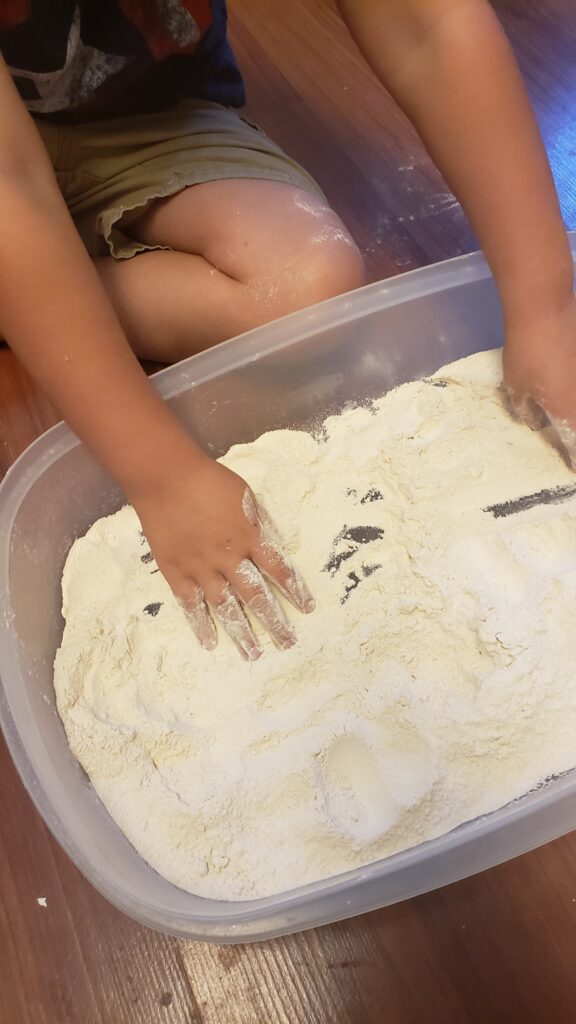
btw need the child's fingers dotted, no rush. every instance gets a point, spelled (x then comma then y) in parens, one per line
(199, 618)
(567, 436)
(229, 613)
(247, 587)
(272, 561)
(258, 598)
(269, 557)
(530, 412)
(526, 409)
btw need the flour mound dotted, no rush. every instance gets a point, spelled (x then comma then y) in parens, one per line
(434, 683)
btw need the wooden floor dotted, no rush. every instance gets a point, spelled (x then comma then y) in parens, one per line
(500, 947)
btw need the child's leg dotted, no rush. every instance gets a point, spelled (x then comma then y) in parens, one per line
(243, 252)
(200, 225)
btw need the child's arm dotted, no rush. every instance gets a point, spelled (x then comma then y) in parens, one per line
(449, 66)
(55, 315)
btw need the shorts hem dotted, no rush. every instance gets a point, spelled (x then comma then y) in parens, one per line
(112, 239)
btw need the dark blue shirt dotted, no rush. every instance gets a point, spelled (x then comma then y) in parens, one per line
(75, 60)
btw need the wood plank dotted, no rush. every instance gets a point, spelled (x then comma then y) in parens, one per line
(494, 949)
(77, 960)
(24, 411)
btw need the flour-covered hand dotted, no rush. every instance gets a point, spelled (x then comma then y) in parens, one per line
(220, 554)
(540, 374)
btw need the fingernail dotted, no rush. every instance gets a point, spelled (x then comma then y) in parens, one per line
(252, 653)
(284, 640)
(249, 651)
(299, 593)
(209, 641)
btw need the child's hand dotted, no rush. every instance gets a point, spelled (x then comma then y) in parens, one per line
(217, 549)
(540, 374)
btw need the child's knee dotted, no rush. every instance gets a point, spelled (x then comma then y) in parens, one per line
(322, 262)
(334, 263)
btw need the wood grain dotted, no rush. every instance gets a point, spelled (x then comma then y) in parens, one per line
(24, 411)
(77, 960)
(496, 948)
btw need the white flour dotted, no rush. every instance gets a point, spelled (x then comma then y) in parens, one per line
(434, 683)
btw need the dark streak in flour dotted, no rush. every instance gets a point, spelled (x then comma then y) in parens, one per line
(549, 496)
(355, 580)
(353, 537)
(153, 608)
(372, 495)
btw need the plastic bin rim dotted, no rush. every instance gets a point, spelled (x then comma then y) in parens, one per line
(341, 309)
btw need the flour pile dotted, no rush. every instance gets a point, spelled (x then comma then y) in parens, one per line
(434, 683)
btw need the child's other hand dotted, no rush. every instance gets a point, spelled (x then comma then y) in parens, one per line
(540, 373)
(219, 552)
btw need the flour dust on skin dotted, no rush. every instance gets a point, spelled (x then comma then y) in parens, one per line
(433, 683)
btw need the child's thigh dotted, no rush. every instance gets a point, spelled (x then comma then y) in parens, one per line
(252, 229)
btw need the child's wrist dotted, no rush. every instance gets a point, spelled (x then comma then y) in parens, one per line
(538, 292)
(523, 313)
(158, 466)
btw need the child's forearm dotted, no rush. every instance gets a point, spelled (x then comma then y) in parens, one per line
(449, 66)
(56, 317)
(199, 518)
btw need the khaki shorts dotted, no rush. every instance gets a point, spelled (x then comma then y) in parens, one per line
(109, 171)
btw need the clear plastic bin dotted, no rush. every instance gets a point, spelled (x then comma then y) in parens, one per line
(291, 373)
